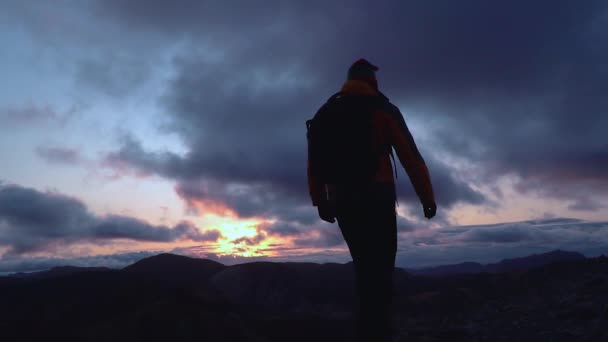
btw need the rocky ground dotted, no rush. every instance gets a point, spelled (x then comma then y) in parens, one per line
(173, 298)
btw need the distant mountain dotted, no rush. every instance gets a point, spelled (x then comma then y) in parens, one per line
(176, 271)
(170, 264)
(59, 271)
(505, 265)
(534, 260)
(166, 264)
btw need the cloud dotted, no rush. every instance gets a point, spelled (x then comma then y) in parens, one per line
(34, 115)
(113, 74)
(490, 90)
(586, 204)
(489, 243)
(583, 192)
(509, 98)
(480, 243)
(283, 229)
(31, 220)
(121, 227)
(60, 155)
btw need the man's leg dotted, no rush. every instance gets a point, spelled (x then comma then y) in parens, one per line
(382, 246)
(368, 224)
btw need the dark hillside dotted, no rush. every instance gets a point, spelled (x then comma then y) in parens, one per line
(173, 298)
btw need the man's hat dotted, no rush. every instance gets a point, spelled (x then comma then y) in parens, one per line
(362, 69)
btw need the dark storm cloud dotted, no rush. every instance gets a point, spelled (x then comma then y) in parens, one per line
(448, 188)
(515, 88)
(120, 227)
(31, 220)
(79, 45)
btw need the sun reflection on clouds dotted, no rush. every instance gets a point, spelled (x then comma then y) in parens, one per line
(240, 237)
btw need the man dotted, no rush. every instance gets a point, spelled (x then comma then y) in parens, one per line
(362, 198)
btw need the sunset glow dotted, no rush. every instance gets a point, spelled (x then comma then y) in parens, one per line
(240, 239)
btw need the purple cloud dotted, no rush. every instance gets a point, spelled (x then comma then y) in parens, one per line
(31, 220)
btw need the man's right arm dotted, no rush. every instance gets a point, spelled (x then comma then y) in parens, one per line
(314, 187)
(322, 196)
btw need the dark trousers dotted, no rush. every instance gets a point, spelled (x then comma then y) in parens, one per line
(367, 219)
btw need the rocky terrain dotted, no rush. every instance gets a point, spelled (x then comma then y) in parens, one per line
(557, 296)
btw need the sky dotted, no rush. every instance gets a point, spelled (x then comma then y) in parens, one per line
(129, 128)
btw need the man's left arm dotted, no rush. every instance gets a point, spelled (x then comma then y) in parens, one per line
(411, 160)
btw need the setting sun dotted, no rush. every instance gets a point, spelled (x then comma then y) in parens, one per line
(241, 237)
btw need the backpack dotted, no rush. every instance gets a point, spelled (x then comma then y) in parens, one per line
(341, 140)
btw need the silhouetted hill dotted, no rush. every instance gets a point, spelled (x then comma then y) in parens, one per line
(505, 265)
(534, 260)
(175, 270)
(170, 264)
(174, 298)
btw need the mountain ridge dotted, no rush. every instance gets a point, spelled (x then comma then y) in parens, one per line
(504, 265)
(166, 262)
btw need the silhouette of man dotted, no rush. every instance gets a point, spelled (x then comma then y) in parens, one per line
(366, 210)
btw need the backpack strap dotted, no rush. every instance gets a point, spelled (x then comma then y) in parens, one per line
(390, 153)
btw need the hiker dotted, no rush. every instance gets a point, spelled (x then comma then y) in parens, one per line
(350, 178)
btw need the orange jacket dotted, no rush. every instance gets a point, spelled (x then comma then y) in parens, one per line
(389, 130)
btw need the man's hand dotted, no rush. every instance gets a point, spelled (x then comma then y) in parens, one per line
(327, 206)
(327, 212)
(430, 209)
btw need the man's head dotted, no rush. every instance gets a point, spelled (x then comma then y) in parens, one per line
(363, 70)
